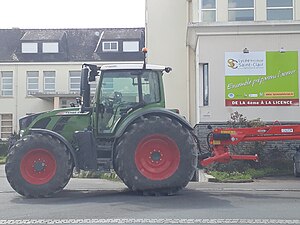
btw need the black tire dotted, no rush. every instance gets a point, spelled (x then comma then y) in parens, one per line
(156, 156)
(38, 165)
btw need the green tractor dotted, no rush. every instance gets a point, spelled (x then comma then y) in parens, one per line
(124, 127)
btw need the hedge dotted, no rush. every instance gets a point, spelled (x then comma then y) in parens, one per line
(3, 148)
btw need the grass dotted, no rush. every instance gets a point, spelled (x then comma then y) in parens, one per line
(230, 177)
(248, 175)
(95, 174)
(2, 159)
(266, 172)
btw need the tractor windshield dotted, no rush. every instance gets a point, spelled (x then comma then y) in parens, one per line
(123, 91)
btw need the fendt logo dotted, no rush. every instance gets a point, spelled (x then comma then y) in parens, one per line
(232, 63)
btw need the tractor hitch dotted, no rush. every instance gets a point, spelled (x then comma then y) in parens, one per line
(219, 142)
(221, 154)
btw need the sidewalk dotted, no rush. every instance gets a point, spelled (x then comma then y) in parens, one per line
(201, 176)
(2, 170)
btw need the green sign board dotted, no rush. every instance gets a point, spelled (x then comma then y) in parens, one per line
(261, 79)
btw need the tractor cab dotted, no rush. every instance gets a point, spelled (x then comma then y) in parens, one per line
(122, 89)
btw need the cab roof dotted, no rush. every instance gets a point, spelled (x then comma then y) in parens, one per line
(135, 66)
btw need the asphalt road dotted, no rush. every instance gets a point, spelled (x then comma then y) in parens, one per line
(94, 201)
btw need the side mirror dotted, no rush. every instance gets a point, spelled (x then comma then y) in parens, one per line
(83, 80)
(85, 87)
(93, 72)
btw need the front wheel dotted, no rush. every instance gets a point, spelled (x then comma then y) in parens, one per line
(156, 155)
(38, 166)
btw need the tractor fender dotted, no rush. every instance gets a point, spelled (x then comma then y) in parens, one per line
(156, 111)
(61, 138)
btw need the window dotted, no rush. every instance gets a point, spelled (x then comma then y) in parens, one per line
(93, 87)
(49, 81)
(279, 10)
(74, 81)
(240, 10)
(29, 47)
(32, 82)
(205, 85)
(131, 46)
(66, 102)
(110, 46)
(6, 125)
(6, 83)
(50, 47)
(208, 11)
(127, 84)
(122, 90)
(108, 84)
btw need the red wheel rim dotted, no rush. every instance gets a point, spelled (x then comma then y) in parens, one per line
(157, 157)
(38, 166)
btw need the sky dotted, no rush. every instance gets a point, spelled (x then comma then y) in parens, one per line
(72, 13)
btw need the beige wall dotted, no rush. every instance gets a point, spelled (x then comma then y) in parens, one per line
(166, 25)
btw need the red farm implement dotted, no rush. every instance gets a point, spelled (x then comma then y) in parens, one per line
(222, 138)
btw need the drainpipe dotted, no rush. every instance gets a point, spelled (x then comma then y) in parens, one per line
(16, 96)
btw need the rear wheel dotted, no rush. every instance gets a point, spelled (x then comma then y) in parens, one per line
(156, 155)
(38, 166)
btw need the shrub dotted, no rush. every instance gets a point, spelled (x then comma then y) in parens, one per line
(3, 148)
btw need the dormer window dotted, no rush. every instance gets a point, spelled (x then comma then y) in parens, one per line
(110, 46)
(28, 47)
(50, 47)
(131, 46)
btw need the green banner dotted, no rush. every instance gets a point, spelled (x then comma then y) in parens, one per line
(278, 87)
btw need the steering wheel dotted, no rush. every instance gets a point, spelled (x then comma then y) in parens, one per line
(117, 97)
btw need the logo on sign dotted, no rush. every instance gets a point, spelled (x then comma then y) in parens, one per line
(238, 64)
(232, 63)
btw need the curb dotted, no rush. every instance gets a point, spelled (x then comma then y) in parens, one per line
(233, 181)
(201, 176)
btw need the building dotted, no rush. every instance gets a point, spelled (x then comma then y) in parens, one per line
(40, 68)
(227, 56)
